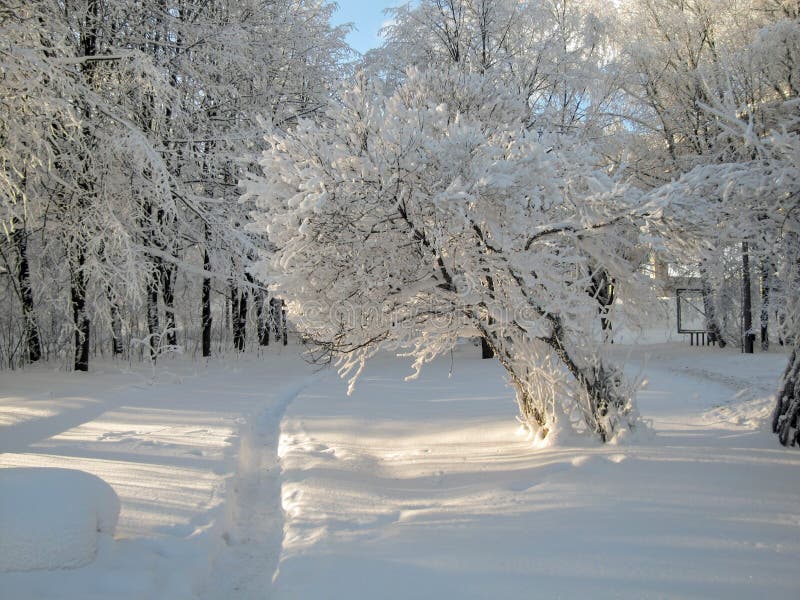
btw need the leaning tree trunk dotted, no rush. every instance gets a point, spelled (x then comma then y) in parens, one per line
(604, 405)
(787, 409)
(605, 401)
(32, 342)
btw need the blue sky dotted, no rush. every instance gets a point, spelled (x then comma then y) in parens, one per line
(367, 16)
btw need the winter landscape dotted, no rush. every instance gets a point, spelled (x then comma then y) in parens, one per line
(497, 299)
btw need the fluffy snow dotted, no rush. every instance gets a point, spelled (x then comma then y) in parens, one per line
(259, 477)
(51, 518)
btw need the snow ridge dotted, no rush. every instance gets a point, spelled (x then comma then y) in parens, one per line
(252, 526)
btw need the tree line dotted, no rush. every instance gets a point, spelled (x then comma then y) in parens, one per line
(125, 128)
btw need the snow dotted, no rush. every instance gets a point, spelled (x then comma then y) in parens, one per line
(428, 490)
(259, 477)
(50, 518)
(167, 441)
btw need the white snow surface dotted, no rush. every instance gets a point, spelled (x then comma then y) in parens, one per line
(260, 478)
(51, 518)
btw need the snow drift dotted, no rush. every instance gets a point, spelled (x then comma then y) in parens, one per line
(51, 518)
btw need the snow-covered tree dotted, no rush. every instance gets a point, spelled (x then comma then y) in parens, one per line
(126, 126)
(433, 213)
(751, 195)
(37, 109)
(551, 52)
(554, 55)
(676, 59)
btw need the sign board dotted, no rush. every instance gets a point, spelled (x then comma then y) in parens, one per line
(691, 311)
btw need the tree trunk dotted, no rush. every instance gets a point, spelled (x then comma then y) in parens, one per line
(234, 302)
(32, 341)
(239, 317)
(602, 290)
(262, 320)
(166, 274)
(712, 326)
(748, 337)
(601, 384)
(766, 270)
(153, 328)
(787, 408)
(116, 330)
(486, 349)
(275, 317)
(283, 324)
(206, 301)
(86, 183)
(242, 320)
(79, 317)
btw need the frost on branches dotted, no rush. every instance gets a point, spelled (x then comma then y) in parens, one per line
(757, 199)
(411, 220)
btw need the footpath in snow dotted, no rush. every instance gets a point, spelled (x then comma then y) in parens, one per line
(260, 478)
(190, 450)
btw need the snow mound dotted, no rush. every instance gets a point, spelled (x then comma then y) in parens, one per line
(51, 518)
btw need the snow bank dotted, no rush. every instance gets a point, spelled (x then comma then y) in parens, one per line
(50, 518)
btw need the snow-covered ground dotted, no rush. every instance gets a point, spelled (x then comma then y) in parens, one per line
(259, 477)
(178, 445)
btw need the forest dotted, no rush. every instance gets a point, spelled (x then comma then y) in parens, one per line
(177, 175)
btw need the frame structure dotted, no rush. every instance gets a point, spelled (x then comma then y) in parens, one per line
(692, 315)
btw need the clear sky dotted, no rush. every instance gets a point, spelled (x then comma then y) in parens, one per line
(367, 17)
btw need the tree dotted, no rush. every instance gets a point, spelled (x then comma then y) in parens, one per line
(128, 124)
(677, 59)
(37, 111)
(740, 191)
(392, 217)
(553, 53)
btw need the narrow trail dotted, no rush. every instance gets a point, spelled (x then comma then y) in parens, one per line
(744, 387)
(253, 520)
